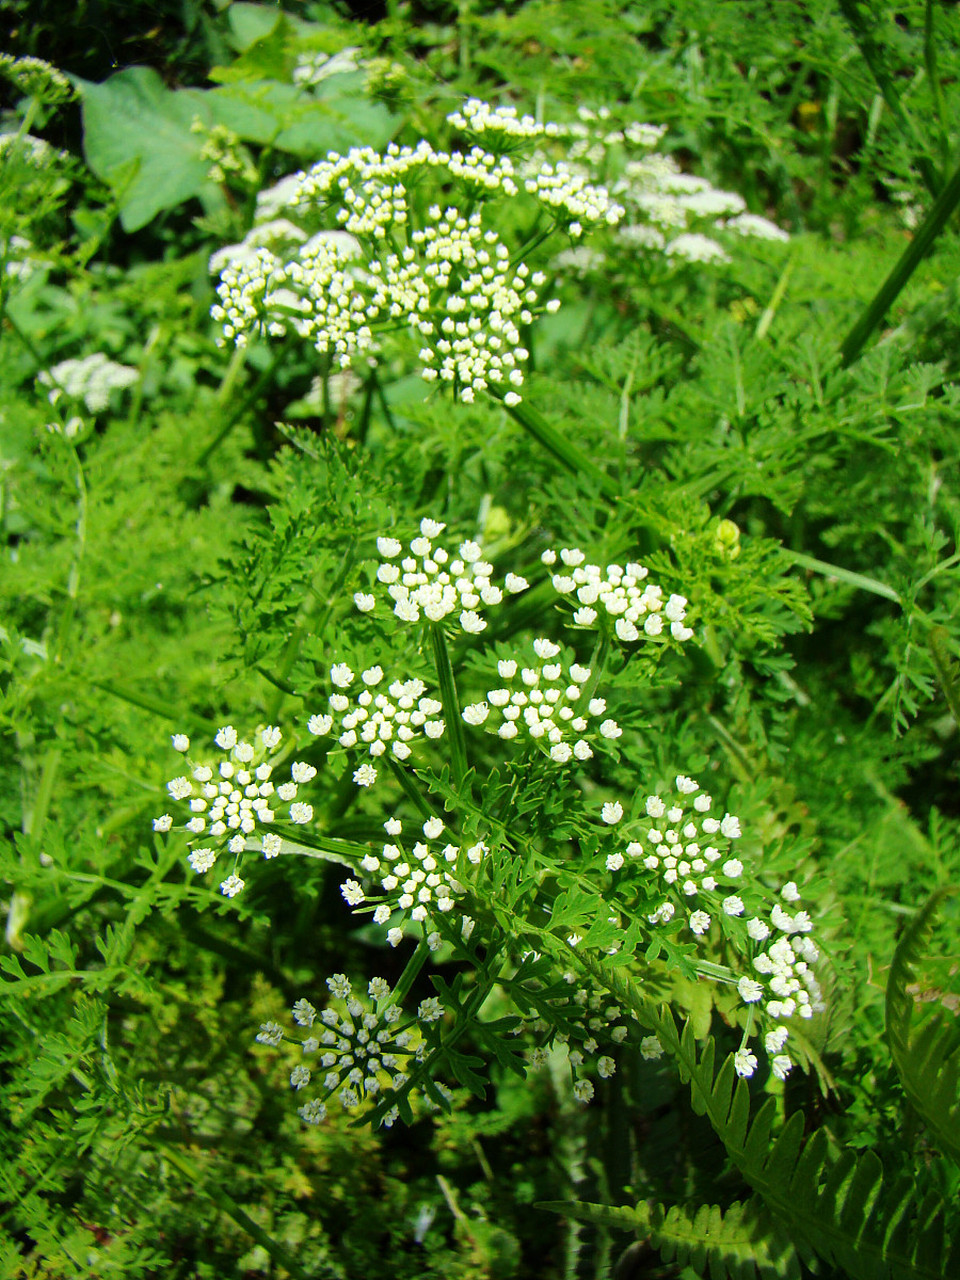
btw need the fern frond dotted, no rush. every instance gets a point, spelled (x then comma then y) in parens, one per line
(927, 1063)
(742, 1242)
(831, 1201)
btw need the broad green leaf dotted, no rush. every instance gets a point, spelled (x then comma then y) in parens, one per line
(282, 116)
(250, 23)
(269, 57)
(137, 139)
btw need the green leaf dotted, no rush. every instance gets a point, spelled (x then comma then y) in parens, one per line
(250, 23)
(928, 1062)
(268, 57)
(137, 139)
(742, 1242)
(279, 115)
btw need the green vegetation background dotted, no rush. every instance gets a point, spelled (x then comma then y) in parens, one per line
(156, 591)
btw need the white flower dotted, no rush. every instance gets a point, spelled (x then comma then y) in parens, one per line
(781, 1066)
(364, 601)
(90, 379)
(271, 844)
(180, 788)
(430, 1010)
(790, 892)
(163, 823)
(612, 812)
(699, 922)
(774, 1040)
(365, 776)
(750, 990)
(231, 886)
(606, 1067)
(320, 725)
(696, 248)
(180, 742)
(341, 675)
(226, 737)
(352, 893)
(744, 1062)
(583, 1090)
(202, 860)
(304, 1013)
(651, 1048)
(301, 813)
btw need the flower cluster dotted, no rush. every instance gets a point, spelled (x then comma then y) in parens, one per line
(435, 584)
(786, 981)
(687, 849)
(546, 702)
(437, 271)
(91, 380)
(227, 156)
(37, 79)
(683, 851)
(376, 720)
(358, 1047)
(16, 259)
(420, 883)
(233, 800)
(622, 592)
(664, 209)
(478, 117)
(597, 1029)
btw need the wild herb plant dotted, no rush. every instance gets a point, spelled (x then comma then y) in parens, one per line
(584, 628)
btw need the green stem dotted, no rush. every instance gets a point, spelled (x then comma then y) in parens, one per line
(873, 57)
(770, 310)
(409, 975)
(236, 364)
(943, 207)
(233, 1210)
(451, 705)
(843, 575)
(567, 453)
(933, 75)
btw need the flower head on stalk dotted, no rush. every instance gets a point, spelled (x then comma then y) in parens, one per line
(680, 850)
(235, 800)
(434, 266)
(376, 717)
(357, 1050)
(544, 702)
(621, 592)
(431, 583)
(420, 885)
